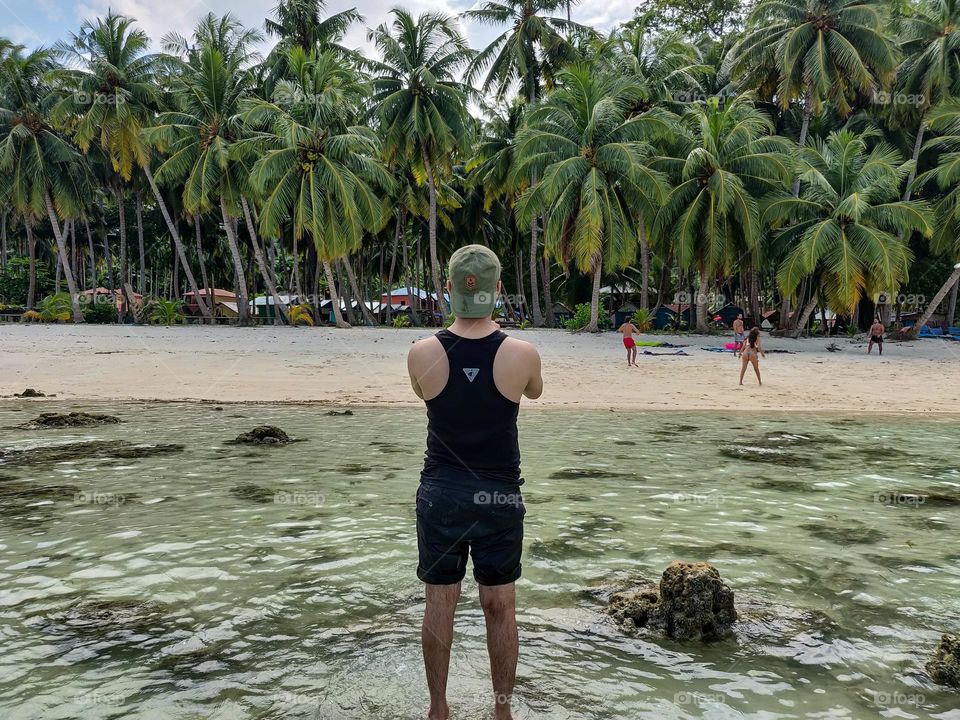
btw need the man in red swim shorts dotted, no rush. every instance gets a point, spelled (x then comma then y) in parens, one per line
(629, 330)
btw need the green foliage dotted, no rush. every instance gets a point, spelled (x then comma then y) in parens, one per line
(401, 321)
(52, 309)
(100, 312)
(301, 315)
(15, 280)
(164, 312)
(581, 319)
(526, 324)
(643, 320)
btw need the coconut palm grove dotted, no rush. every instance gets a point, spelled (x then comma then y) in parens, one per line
(802, 158)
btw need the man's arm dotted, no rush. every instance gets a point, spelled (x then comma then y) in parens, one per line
(413, 362)
(534, 388)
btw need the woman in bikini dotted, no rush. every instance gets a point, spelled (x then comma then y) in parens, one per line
(750, 351)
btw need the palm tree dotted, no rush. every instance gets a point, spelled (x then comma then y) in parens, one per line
(420, 104)
(819, 51)
(40, 169)
(845, 230)
(945, 239)
(199, 137)
(592, 158)
(534, 37)
(726, 160)
(314, 167)
(113, 93)
(931, 71)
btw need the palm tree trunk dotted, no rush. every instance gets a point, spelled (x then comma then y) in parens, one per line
(702, 302)
(102, 226)
(593, 325)
(62, 247)
(93, 259)
(174, 233)
(124, 266)
(644, 267)
(434, 259)
(534, 291)
(334, 296)
(32, 250)
(805, 315)
(952, 304)
(142, 284)
(935, 303)
(355, 289)
(547, 296)
(411, 305)
(804, 129)
(398, 232)
(918, 143)
(243, 307)
(755, 308)
(267, 279)
(208, 286)
(3, 240)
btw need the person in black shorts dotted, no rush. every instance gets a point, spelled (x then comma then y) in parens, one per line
(471, 377)
(876, 335)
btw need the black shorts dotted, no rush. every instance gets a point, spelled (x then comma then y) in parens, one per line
(877, 339)
(454, 523)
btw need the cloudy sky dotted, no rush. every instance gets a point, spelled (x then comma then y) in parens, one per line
(42, 22)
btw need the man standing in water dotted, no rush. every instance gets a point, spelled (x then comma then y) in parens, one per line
(471, 377)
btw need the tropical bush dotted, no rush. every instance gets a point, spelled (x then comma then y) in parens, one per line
(100, 312)
(53, 308)
(301, 315)
(643, 319)
(401, 321)
(164, 312)
(581, 319)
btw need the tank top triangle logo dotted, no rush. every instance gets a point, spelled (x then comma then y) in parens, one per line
(471, 373)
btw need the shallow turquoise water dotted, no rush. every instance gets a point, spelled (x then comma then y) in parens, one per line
(298, 599)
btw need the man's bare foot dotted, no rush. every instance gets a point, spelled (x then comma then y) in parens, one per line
(440, 713)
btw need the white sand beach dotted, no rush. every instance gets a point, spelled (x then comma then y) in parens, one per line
(367, 366)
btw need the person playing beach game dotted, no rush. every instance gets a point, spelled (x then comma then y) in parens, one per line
(750, 349)
(738, 335)
(629, 330)
(472, 377)
(876, 335)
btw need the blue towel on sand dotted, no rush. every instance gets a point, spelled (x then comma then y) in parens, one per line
(678, 352)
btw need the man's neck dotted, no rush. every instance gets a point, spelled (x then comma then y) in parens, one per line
(472, 328)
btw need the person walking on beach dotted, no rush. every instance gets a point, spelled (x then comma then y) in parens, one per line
(876, 335)
(471, 377)
(738, 335)
(750, 349)
(629, 330)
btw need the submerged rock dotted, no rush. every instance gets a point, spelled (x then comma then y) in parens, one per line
(264, 435)
(29, 393)
(99, 449)
(339, 413)
(944, 666)
(95, 616)
(74, 419)
(691, 602)
(253, 492)
(594, 473)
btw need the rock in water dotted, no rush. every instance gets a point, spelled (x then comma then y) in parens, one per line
(29, 393)
(691, 603)
(335, 413)
(264, 435)
(74, 419)
(944, 667)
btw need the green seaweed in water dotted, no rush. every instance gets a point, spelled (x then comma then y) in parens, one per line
(108, 450)
(253, 492)
(586, 473)
(854, 534)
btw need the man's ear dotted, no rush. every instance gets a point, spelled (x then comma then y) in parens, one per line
(449, 286)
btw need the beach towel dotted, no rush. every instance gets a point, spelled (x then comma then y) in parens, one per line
(678, 352)
(723, 349)
(657, 343)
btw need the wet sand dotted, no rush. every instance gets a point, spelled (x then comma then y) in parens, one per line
(367, 366)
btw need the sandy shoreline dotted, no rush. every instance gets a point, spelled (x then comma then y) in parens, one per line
(367, 366)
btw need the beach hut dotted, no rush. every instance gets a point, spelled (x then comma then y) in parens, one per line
(263, 307)
(102, 294)
(664, 317)
(561, 313)
(623, 314)
(224, 301)
(728, 313)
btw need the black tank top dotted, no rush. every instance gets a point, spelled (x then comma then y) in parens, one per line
(471, 427)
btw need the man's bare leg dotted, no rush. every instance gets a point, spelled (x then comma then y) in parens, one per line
(436, 636)
(503, 643)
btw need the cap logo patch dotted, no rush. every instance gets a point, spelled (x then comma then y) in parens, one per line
(471, 282)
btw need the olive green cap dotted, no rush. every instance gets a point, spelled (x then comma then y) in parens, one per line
(474, 272)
